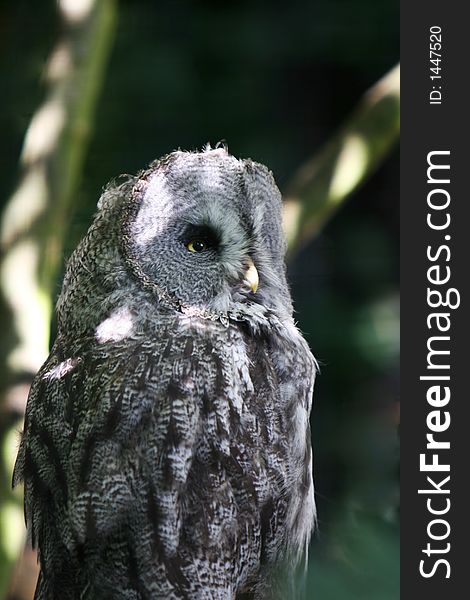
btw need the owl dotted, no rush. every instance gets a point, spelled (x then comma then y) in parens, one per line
(166, 447)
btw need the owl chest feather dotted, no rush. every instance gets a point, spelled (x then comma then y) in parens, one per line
(188, 441)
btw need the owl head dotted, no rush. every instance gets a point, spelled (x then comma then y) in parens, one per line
(198, 231)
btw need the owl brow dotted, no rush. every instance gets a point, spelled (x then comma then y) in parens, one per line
(202, 231)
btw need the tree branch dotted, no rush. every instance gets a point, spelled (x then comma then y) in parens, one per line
(325, 181)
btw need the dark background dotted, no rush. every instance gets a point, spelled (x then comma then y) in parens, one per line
(274, 80)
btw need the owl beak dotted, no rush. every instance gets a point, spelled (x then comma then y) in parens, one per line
(251, 279)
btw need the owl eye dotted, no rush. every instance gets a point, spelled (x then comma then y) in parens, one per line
(200, 238)
(197, 246)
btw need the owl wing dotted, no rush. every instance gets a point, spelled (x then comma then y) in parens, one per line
(42, 465)
(124, 482)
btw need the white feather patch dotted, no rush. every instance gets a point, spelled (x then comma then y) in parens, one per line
(117, 327)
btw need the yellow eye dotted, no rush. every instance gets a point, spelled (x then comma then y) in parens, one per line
(197, 246)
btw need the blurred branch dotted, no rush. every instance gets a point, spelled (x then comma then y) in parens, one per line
(325, 181)
(34, 224)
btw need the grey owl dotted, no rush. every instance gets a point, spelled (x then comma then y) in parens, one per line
(166, 447)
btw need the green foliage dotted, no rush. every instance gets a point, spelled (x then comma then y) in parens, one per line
(362, 563)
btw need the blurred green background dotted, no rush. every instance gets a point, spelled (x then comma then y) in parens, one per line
(275, 80)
